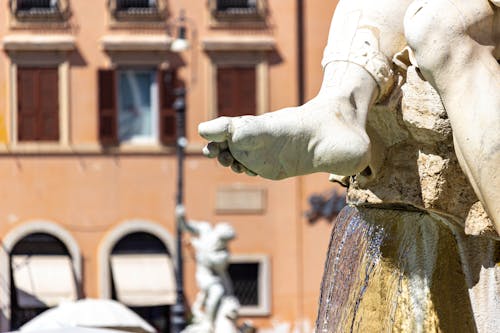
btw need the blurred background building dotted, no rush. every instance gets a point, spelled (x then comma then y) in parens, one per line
(87, 153)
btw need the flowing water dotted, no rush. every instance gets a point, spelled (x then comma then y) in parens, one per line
(393, 269)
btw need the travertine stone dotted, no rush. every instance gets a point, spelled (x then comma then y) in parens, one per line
(423, 113)
(477, 222)
(420, 165)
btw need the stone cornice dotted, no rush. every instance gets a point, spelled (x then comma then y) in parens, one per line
(239, 43)
(24, 42)
(136, 42)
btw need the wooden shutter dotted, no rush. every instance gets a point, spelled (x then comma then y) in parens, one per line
(167, 82)
(48, 129)
(27, 101)
(38, 104)
(236, 91)
(108, 113)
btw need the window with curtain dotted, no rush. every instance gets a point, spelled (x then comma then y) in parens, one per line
(136, 106)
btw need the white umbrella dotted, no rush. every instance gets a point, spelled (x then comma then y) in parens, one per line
(76, 330)
(89, 313)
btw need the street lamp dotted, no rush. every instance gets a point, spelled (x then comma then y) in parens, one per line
(181, 43)
(178, 310)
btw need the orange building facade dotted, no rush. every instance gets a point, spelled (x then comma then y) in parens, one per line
(87, 152)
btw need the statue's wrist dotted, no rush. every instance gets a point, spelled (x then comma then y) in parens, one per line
(365, 54)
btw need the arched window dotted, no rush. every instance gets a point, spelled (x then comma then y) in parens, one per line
(41, 275)
(142, 277)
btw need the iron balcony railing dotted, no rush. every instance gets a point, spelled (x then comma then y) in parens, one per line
(37, 6)
(237, 7)
(136, 6)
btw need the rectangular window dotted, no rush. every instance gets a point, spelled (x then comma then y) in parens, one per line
(38, 104)
(245, 278)
(236, 91)
(250, 275)
(135, 106)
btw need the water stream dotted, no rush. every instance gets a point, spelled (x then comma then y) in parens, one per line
(393, 270)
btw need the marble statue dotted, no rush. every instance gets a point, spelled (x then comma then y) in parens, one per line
(408, 119)
(454, 44)
(215, 308)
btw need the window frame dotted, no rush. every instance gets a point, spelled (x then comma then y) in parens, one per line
(40, 59)
(264, 283)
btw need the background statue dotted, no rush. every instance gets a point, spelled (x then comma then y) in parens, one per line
(215, 308)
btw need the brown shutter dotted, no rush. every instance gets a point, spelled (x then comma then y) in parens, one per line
(247, 97)
(48, 120)
(236, 91)
(27, 101)
(167, 82)
(108, 113)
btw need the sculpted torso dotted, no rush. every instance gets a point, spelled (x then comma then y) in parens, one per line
(454, 43)
(214, 305)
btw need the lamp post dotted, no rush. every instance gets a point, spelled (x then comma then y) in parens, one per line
(178, 310)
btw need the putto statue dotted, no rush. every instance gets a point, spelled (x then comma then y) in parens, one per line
(215, 308)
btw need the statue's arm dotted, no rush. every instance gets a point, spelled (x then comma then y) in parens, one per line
(368, 34)
(185, 225)
(329, 132)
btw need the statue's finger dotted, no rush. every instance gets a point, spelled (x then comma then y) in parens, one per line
(212, 149)
(216, 130)
(225, 158)
(237, 167)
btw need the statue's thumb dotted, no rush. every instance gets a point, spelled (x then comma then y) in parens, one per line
(216, 130)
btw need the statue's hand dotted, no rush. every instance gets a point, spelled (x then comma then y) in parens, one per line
(319, 136)
(255, 145)
(220, 134)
